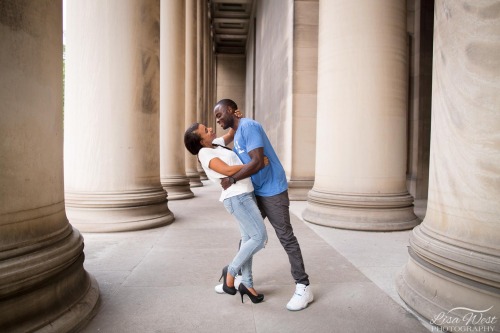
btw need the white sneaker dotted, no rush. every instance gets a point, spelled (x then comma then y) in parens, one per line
(237, 280)
(218, 289)
(301, 298)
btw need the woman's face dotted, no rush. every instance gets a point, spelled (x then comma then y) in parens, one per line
(207, 135)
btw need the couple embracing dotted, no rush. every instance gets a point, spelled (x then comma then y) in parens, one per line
(249, 200)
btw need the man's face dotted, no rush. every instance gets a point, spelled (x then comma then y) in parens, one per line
(224, 116)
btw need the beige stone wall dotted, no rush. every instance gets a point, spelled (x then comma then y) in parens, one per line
(250, 67)
(281, 81)
(273, 73)
(230, 82)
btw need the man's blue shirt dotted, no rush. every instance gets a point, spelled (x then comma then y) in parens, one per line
(270, 180)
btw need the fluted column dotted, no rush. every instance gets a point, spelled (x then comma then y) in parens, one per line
(454, 265)
(43, 286)
(172, 104)
(190, 97)
(111, 120)
(361, 118)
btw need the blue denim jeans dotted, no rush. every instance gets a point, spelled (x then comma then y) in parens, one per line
(253, 234)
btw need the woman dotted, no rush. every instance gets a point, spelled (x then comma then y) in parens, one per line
(219, 162)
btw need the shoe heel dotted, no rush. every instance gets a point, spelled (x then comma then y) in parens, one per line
(225, 287)
(255, 299)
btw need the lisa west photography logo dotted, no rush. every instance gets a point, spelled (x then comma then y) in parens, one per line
(463, 319)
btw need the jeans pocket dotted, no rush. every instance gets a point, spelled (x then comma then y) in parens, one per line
(245, 197)
(228, 205)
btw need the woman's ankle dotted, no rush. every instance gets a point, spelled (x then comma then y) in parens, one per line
(229, 280)
(253, 291)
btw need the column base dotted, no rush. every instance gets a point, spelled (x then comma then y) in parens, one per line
(298, 189)
(448, 300)
(194, 179)
(390, 212)
(48, 290)
(118, 211)
(203, 175)
(80, 314)
(177, 188)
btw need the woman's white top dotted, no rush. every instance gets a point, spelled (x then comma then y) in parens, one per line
(230, 158)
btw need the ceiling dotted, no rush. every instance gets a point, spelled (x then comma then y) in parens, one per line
(230, 20)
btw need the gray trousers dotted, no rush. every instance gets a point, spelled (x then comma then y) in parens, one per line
(276, 209)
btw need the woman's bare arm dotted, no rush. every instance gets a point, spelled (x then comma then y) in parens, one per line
(258, 161)
(229, 136)
(219, 166)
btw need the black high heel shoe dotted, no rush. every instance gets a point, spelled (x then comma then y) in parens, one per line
(255, 299)
(225, 287)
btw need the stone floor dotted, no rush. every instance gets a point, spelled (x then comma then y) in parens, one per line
(162, 280)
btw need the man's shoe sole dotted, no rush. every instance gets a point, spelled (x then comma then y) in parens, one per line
(309, 302)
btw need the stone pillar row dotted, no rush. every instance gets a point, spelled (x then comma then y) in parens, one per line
(112, 118)
(118, 118)
(43, 285)
(112, 113)
(454, 265)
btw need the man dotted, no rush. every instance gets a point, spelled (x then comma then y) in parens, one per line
(251, 144)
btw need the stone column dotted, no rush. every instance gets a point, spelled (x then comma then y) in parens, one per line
(172, 110)
(454, 265)
(43, 286)
(111, 117)
(361, 118)
(200, 96)
(190, 96)
(199, 58)
(206, 71)
(304, 96)
(212, 79)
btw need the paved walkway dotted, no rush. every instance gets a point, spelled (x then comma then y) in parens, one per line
(162, 280)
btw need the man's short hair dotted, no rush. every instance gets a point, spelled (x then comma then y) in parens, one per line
(227, 102)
